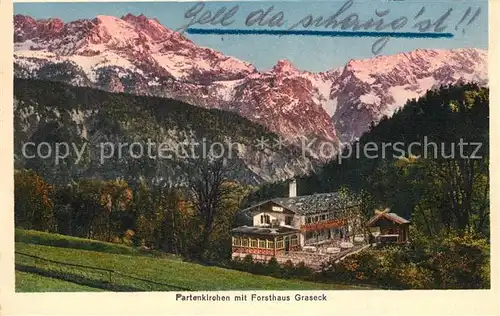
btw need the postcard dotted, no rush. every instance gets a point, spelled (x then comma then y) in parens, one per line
(271, 156)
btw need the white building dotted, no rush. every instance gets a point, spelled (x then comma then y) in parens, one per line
(280, 225)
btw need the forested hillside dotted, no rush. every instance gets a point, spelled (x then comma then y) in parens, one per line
(84, 118)
(439, 188)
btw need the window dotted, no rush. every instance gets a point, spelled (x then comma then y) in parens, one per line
(262, 243)
(308, 220)
(236, 241)
(244, 242)
(323, 217)
(265, 219)
(253, 243)
(288, 220)
(294, 240)
(279, 243)
(270, 244)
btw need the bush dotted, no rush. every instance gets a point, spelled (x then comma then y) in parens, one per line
(258, 268)
(288, 270)
(444, 262)
(413, 276)
(273, 268)
(33, 205)
(248, 260)
(128, 237)
(359, 268)
(461, 262)
(303, 271)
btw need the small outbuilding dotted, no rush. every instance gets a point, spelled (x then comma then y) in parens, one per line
(386, 227)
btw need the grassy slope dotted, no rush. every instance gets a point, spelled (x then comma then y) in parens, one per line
(171, 271)
(63, 241)
(30, 282)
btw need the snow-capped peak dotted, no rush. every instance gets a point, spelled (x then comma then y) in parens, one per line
(152, 27)
(419, 59)
(131, 42)
(284, 66)
(118, 29)
(137, 54)
(383, 84)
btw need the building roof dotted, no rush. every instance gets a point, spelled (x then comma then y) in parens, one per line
(390, 216)
(268, 231)
(309, 204)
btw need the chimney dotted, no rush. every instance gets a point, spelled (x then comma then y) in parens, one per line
(292, 188)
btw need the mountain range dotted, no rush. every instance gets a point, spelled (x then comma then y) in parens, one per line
(138, 55)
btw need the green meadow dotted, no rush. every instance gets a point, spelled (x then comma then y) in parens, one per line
(127, 269)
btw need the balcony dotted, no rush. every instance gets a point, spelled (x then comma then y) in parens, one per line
(333, 223)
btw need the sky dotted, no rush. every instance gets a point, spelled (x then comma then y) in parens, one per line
(310, 53)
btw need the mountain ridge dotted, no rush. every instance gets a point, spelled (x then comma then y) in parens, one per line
(136, 54)
(51, 112)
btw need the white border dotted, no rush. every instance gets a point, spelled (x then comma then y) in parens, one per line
(480, 302)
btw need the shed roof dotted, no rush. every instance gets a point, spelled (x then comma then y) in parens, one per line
(393, 217)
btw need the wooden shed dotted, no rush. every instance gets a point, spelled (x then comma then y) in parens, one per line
(387, 227)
